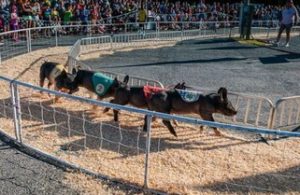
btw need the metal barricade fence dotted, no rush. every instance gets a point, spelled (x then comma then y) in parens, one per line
(252, 110)
(37, 38)
(170, 36)
(287, 113)
(74, 55)
(123, 40)
(95, 44)
(76, 49)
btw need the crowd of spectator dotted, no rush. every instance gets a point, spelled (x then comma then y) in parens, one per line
(16, 14)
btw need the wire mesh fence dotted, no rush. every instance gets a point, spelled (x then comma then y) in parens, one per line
(6, 109)
(71, 131)
(14, 43)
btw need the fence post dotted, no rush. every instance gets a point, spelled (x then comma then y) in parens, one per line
(199, 29)
(89, 31)
(148, 146)
(111, 42)
(157, 30)
(268, 33)
(19, 116)
(15, 99)
(28, 40)
(181, 32)
(56, 37)
(272, 117)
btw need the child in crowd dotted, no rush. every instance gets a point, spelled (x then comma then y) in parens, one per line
(94, 17)
(101, 26)
(67, 17)
(4, 21)
(55, 16)
(84, 16)
(36, 11)
(47, 18)
(1, 23)
(14, 23)
(26, 13)
(56, 20)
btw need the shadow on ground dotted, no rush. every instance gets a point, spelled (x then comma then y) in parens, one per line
(285, 181)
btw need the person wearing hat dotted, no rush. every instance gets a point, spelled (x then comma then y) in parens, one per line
(289, 15)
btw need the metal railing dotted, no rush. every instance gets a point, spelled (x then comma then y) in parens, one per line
(252, 110)
(41, 37)
(287, 113)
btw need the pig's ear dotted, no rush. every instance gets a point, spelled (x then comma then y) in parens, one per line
(223, 93)
(74, 71)
(126, 79)
(183, 85)
(177, 86)
(63, 73)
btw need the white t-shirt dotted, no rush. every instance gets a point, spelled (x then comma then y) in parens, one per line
(288, 15)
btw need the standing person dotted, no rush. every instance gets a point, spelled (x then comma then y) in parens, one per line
(67, 17)
(47, 19)
(36, 12)
(84, 16)
(289, 15)
(5, 13)
(55, 17)
(94, 17)
(26, 13)
(14, 23)
(142, 16)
